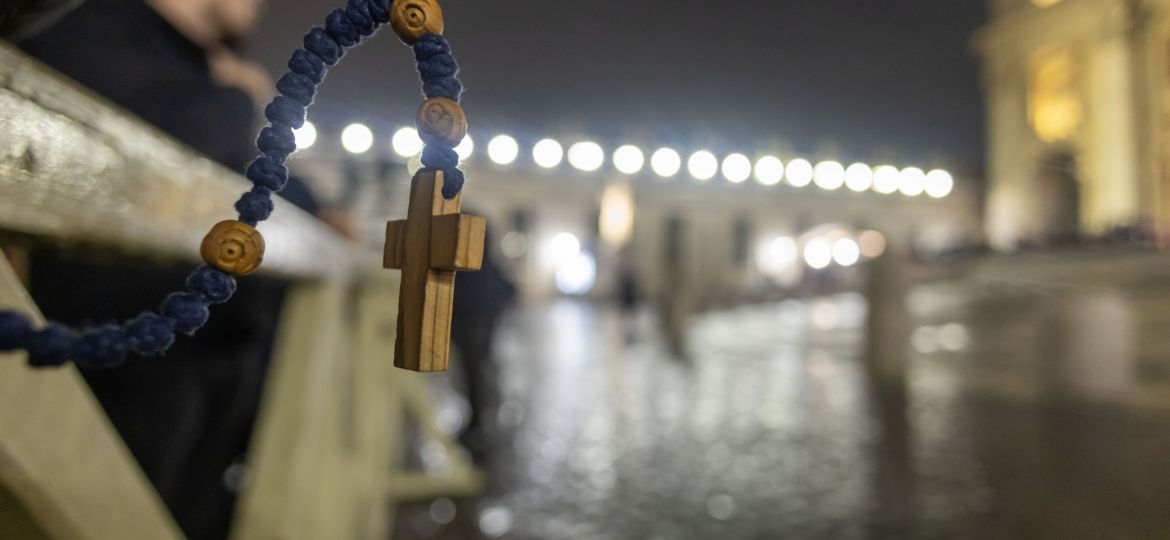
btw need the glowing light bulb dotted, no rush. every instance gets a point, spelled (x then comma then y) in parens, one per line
(503, 149)
(846, 252)
(466, 148)
(778, 255)
(769, 170)
(939, 183)
(703, 165)
(564, 245)
(859, 177)
(586, 156)
(799, 172)
(829, 175)
(665, 162)
(577, 274)
(628, 159)
(818, 253)
(885, 179)
(406, 142)
(912, 181)
(305, 135)
(357, 138)
(548, 153)
(736, 168)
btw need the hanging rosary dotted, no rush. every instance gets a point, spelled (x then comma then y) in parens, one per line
(429, 246)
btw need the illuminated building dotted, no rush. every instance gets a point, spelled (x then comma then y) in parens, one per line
(1079, 138)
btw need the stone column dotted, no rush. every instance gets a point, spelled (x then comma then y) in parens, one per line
(1111, 184)
(1010, 200)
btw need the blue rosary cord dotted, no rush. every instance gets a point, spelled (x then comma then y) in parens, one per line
(186, 311)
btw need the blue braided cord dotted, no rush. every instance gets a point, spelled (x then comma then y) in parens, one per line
(186, 311)
(439, 71)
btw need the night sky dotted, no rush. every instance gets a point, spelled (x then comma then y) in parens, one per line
(854, 79)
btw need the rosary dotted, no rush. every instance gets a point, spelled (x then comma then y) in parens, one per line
(429, 246)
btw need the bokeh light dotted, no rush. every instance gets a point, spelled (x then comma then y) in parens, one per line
(548, 153)
(829, 175)
(859, 177)
(939, 183)
(737, 168)
(628, 159)
(799, 172)
(406, 142)
(665, 162)
(586, 156)
(703, 165)
(818, 253)
(576, 274)
(564, 245)
(503, 149)
(616, 216)
(306, 136)
(357, 138)
(514, 245)
(466, 148)
(769, 170)
(885, 179)
(846, 252)
(912, 181)
(872, 243)
(778, 255)
(953, 337)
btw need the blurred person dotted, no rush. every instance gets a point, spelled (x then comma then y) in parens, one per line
(186, 417)
(629, 297)
(480, 299)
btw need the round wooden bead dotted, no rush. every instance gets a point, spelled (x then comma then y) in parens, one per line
(441, 121)
(233, 247)
(411, 19)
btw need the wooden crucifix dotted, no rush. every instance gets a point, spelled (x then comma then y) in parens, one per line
(429, 246)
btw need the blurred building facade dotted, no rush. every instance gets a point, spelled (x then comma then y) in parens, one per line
(561, 229)
(719, 242)
(1078, 109)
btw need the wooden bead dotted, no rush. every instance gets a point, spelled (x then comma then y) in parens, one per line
(441, 121)
(233, 247)
(411, 19)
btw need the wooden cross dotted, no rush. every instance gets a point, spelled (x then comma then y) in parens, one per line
(429, 246)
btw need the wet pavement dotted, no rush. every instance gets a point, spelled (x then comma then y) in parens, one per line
(771, 429)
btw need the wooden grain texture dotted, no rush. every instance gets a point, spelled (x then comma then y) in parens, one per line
(441, 121)
(394, 257)
(59, 455)
(75, 168)
(457, 242)
(411, 19)
(326, 439)
(424, 302)
(287, 455)
(233, 247)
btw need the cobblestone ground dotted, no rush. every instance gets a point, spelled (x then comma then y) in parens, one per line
(770, 429)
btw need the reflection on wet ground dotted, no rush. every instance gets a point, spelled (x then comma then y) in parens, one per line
(770, 429)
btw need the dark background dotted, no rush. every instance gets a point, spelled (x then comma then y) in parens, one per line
(863, 79)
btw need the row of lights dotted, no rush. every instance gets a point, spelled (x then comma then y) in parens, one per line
(703, 165)
(821, 252)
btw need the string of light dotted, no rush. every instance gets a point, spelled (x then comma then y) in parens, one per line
(667, 163)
